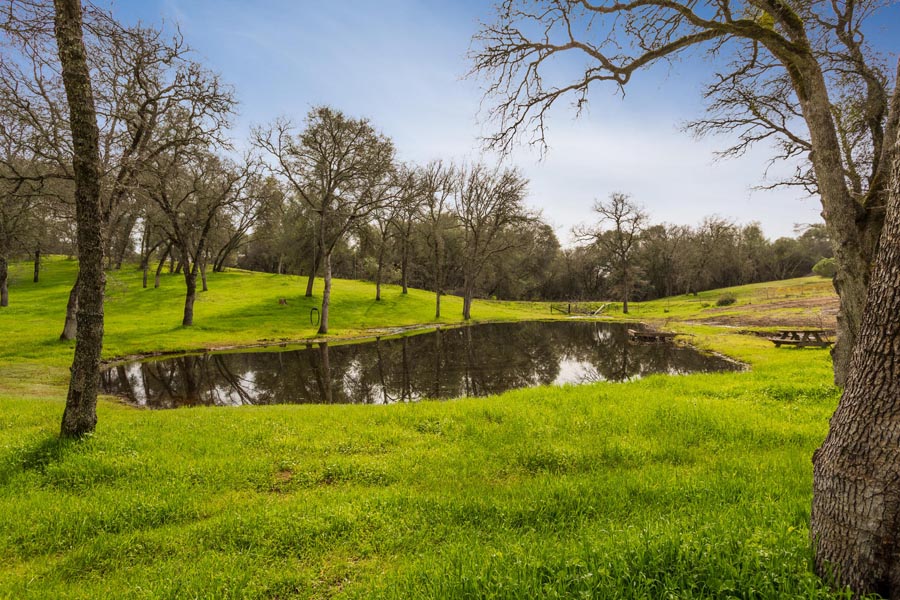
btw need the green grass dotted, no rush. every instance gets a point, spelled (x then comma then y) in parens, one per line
(668, 487)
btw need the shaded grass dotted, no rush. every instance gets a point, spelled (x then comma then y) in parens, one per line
(668, 487)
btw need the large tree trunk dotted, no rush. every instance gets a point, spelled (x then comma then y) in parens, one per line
(162, 262)
(326, 295)
(80, 415)
(70, 328)
(203, 276)
(853, 247)
(190, 282)
(856, 474)
(4, 285)
(145, 271)
(404, 266)
(312, 274)
(123, 242)
(379, 273)
(37, 266)
(438, 276)
(625, 290)
(467, 298)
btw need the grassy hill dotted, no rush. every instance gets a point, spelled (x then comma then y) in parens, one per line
(682, 487)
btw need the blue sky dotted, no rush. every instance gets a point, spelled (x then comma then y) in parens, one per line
(401, 63)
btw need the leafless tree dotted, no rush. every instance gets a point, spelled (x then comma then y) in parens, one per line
(329, 165)
(405, 218)
(437, 182)
(140, 76)
(191, 191)
(789, 59)
(487, 202)
(80, 415)
(621, 222)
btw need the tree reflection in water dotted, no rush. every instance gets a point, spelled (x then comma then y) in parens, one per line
(449, 363)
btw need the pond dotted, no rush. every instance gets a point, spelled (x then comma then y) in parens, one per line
(449, 363)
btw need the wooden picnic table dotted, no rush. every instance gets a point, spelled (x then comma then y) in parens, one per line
(653, 337)
(801, 338)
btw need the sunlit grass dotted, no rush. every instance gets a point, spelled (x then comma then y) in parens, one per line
(668, 487)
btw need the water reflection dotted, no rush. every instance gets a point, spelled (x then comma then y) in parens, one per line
(468, 361)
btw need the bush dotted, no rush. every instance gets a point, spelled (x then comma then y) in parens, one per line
(825, 268)
(726, 299)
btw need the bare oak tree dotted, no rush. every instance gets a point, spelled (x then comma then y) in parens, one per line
(140, 76)
(488, 202)
(789, 59)
(329, 165)
(617, 233)
(436, 183)
(80, 415)
(192, 190)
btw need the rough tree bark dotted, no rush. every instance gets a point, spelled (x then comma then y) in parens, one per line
(326, 294)
(842, 213)
(312, 274)
(162, 262)
(856, 476)
(404, 267)
(37, 266)
(4, 277)
(70, 328)
(379, 273)
(190, 282)
(438, 274)
(80, 415)
(468, 293)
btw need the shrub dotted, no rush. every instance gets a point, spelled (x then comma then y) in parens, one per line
(825, 268)
(726, 299)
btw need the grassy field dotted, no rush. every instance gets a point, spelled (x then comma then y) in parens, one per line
(669, 487)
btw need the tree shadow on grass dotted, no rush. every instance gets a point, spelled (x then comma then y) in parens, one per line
(36, 455)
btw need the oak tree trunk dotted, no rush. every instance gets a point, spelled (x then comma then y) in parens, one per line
(190, 282)
(203, 276)
(80, 415)
(379, 273)
(70, 328)
(37, 266)
(312, 274)
(856, 472)
(404, 267)
(467, 299)
(326, 295)
(162, 262)
(4, 277)
(853, 249)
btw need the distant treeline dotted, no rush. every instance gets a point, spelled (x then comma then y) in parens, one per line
(668, 259)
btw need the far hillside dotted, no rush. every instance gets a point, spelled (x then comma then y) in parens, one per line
(802, 302)
(244, 308)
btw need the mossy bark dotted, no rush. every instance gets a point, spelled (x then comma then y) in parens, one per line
(80, 415)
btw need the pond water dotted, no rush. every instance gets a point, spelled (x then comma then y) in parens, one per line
(467, 361)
